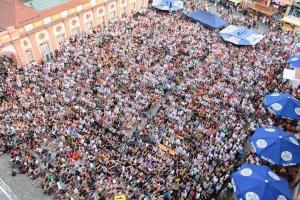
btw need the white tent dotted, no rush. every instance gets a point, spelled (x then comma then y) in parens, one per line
(297, 47)
(168, 4)
(293, 75)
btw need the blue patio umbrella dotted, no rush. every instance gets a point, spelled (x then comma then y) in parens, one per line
(254, 182)
(294, 61)
(283, 105)
(276, 146)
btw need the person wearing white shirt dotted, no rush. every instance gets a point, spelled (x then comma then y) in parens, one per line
(75, 191)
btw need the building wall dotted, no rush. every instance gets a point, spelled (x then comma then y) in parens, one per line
(28, 43)
(287, 2)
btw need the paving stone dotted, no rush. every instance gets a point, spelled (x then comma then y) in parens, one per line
(20, 184)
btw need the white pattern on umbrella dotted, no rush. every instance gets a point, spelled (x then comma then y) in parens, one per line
(286, 156)
(246, 172)
(233, 184)
(261, 143)
(294, 59)
(273, 175)
(276, 106)
(274, 94)
(297, 111)
(251, 196)
(270, 129)
(281, 197)
(293, 140)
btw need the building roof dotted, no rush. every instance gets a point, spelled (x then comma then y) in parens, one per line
(41, 5)
(17, 14)
(13, 12)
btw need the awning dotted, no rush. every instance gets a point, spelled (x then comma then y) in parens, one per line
(240, 35)
(291, 20)
(173, 5)
(289, 74)
(293, 75)
(236, 1)
(207, 19)
(263, 8)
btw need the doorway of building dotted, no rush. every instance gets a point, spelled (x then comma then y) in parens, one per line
(89, 27)
(102, 21)
(7, 59)
(75, 31)
(46, 52)
(60, 39)
(123, 12)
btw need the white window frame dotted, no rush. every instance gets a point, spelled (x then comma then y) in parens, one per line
(75, 32)
(123, 11)
(132, 6)
(61, 38)
(89, 27)
(112, 15)
(141, 4)
(29, 55)
(102, 21)
(45, 50)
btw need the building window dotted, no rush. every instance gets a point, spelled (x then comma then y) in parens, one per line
(101, 21)
(29, 56)
(112, 15)
(47, 54)
(141, 4)
(89, 27)
(60, 39)
(123, 11)
(132, 7)
(45, 48)
(75, 31)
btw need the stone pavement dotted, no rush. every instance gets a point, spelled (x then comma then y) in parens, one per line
(20, 184)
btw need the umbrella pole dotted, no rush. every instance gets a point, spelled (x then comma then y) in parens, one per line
(296, 189)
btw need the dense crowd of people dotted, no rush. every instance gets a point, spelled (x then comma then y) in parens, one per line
(154, 108)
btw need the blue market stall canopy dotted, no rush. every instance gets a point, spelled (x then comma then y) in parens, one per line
(240, 35)
(207, 19)
(171, 5)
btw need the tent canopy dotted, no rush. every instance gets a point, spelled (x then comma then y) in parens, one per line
(293, 75)
(240, 35)
(168, 4)
(207, 19)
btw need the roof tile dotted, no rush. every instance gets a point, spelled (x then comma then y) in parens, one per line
(14, 13)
